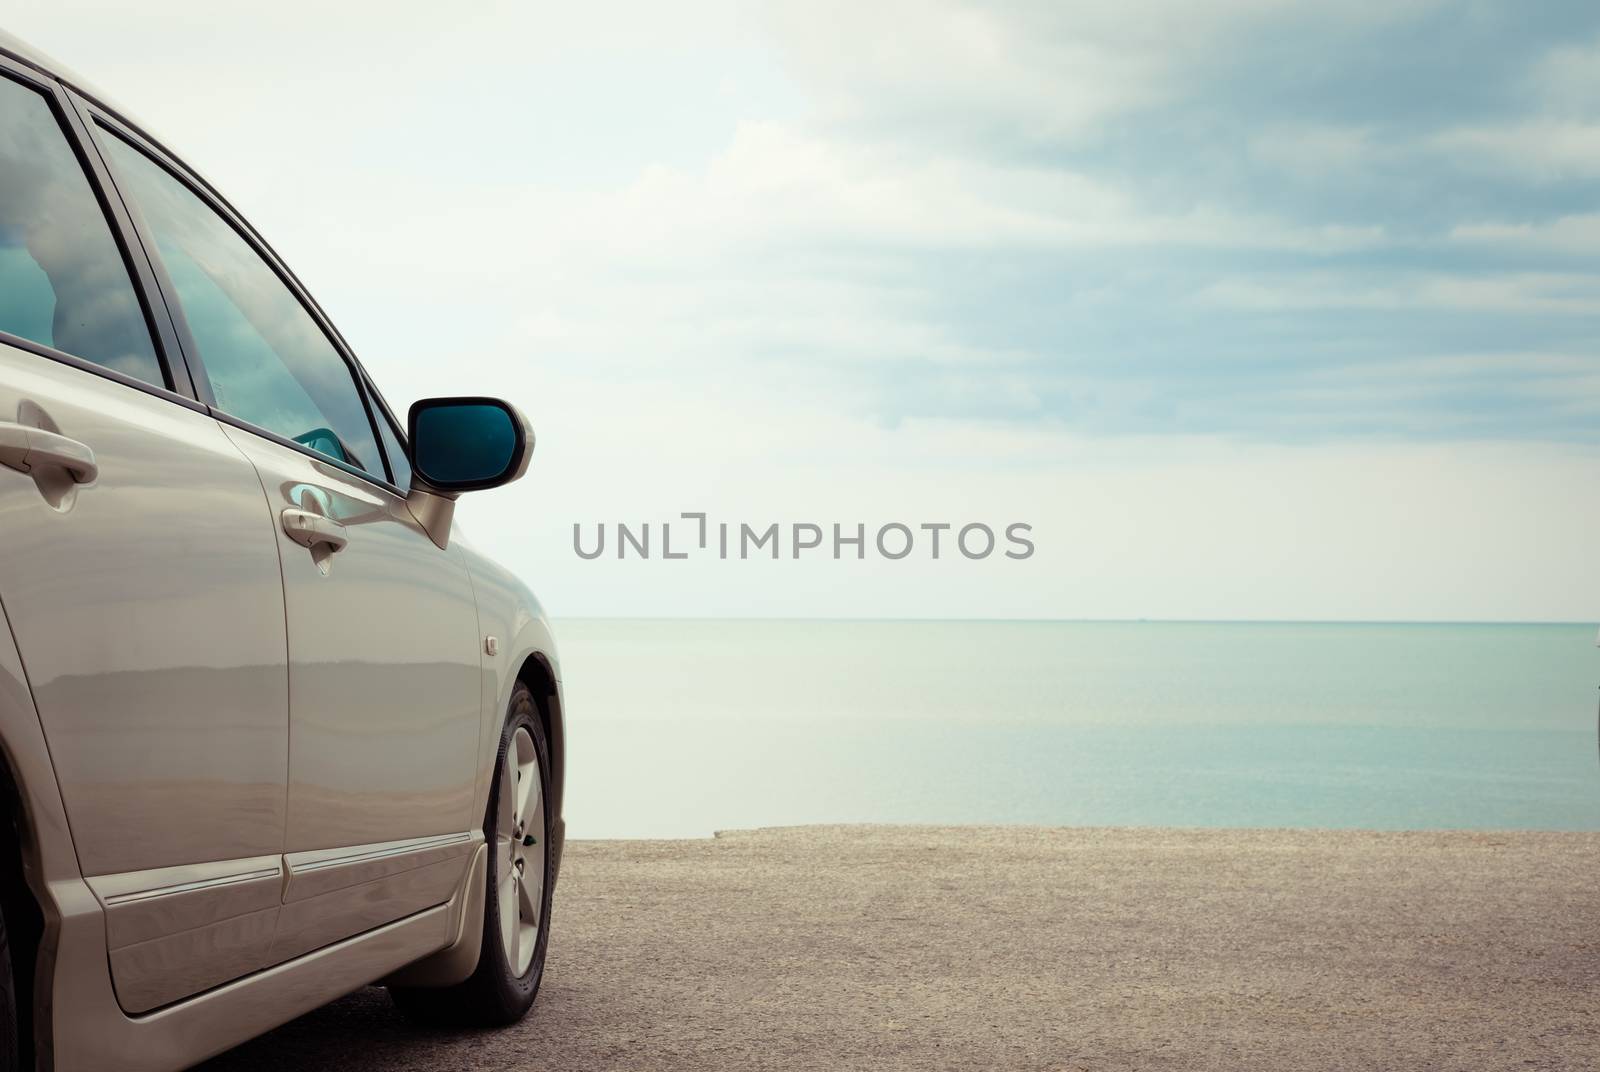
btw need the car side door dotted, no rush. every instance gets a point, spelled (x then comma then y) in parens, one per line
(140, 576)
(386, 675)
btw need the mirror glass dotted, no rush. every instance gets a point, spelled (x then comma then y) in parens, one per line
(459, 444)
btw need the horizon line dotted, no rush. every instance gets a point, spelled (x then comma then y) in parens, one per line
(1067, 621)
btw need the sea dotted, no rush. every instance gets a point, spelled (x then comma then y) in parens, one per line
(679, 728)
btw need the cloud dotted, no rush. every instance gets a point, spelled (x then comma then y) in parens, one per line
(1314, 150)
(1545, 293)
(1567, 80)
(1026, 73)
(779, 184)
(1541, 149)
(1565, 234)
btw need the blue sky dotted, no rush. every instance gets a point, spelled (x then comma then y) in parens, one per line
(1254, 308)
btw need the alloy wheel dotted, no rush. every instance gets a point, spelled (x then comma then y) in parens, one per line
(520, 848)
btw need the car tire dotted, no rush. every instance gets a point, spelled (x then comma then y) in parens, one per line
(10, 1048)
(502, 988)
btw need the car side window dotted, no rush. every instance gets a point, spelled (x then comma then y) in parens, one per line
(267, 360)
(63, 282)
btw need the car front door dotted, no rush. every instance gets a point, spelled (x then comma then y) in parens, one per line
(385, 683)
(140, 576)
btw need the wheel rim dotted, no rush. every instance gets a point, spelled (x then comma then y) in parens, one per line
(520, 846)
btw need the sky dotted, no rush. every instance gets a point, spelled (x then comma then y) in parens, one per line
(1250, 309)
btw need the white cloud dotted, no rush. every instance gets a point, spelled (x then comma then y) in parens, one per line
(1314, 150)
(784, 183)
(957, 65)
(1518, 292)
(1567, 79)
(1566, 234)
(1026, 70)
(1543, 149)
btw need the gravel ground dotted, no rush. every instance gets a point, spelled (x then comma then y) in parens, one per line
(1049, 949)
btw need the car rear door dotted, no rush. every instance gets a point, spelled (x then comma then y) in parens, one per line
(140, 576)
(386, 678)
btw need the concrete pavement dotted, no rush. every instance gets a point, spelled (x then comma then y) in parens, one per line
(1024, 948)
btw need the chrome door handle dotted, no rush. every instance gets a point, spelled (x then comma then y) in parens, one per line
(23, 448)
(310, 530)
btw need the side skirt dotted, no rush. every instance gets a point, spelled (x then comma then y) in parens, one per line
(90, 1031)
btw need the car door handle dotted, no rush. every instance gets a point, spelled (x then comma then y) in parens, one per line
(23, 448)
(310, 530)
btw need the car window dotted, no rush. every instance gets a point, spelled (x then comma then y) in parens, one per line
(396, 453)
(63, 282)
(267, 361)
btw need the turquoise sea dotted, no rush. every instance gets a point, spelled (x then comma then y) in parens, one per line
(680, 728)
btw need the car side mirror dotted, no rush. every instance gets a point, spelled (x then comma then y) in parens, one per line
(462, 444)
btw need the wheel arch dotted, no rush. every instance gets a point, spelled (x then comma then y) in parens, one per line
(537, 673)
(22, 906)
(38, 862)
(518, 646)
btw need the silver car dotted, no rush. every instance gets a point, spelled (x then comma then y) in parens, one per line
(271, 730)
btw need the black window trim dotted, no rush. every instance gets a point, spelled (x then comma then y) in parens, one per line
(102, 121)
(176, 387)
(396, 427)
